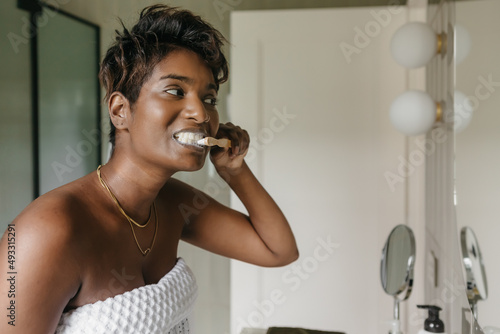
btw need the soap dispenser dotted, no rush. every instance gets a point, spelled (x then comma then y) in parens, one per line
(432, 324)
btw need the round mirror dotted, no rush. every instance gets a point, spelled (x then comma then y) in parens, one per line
(396, 267)
(477, 285)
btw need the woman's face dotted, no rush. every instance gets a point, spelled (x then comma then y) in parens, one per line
(175, 108)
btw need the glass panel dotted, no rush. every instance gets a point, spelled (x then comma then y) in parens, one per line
(16, 188)
(68, 93)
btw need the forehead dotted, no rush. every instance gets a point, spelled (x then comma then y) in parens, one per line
(185, 63)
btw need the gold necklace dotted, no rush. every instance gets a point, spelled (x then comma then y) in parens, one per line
(118, 203)
(129, 219)
(145, 252)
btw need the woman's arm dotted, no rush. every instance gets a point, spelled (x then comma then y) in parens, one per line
(39, 277)
(264, 237)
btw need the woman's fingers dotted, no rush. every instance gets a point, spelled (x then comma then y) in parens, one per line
(240, 140)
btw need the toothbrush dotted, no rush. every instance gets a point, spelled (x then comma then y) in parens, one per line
(211, 141)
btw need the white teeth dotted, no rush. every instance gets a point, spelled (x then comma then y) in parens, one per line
(188, 137)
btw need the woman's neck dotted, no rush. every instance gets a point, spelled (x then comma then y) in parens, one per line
(135, 185)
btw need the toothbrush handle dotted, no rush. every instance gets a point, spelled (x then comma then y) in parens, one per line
(211, 141)
(223, 142)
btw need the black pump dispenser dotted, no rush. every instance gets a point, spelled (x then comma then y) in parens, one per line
(433, 324)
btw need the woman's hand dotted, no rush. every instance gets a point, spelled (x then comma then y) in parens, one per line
(230, 159)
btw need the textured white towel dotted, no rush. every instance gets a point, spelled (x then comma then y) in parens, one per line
(151, 309)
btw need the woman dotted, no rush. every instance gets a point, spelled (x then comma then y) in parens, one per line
(99, 255)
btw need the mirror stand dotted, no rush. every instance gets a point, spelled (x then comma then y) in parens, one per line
(396, 308)
(473, 306)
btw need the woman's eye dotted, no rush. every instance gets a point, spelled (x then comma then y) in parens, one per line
(211, 100)
(175, 91)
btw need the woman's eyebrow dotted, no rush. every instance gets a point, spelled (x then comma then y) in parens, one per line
(177, 77)
(185, 79)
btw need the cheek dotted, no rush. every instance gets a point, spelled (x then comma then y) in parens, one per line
(214, 124)
(158, 116)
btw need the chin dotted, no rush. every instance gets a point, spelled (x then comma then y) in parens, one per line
(193, 167)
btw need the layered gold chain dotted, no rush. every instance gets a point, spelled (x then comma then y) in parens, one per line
(129, 219)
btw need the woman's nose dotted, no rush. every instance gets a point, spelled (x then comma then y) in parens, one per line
(195, 109)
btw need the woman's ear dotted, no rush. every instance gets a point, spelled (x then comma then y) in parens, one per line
(119, 110)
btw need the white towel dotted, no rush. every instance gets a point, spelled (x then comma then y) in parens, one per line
(158, 308)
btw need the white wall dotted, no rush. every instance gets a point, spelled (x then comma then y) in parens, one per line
(326, 168)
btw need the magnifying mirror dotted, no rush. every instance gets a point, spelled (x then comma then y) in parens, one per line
(477, 286)
(396, 267)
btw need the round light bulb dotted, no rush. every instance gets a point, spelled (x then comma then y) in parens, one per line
(413, 113)
(414, 44)
(463, 43)
(462, 112)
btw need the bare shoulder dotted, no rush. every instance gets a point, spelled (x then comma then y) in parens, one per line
(43, 255)
(179, 191)
(187, 201)
(50, 217)
(49, 227)
(175, 186)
